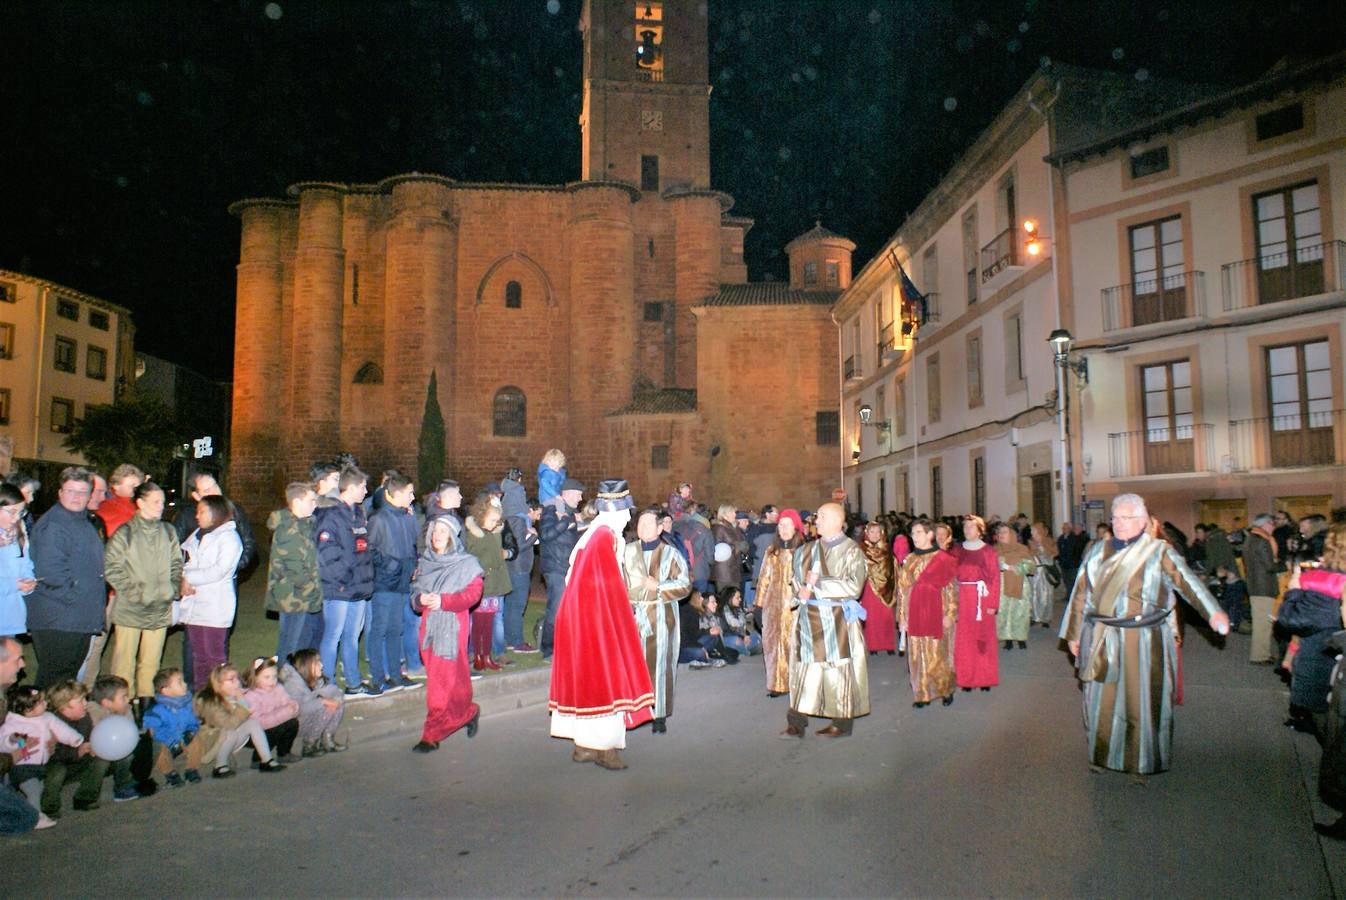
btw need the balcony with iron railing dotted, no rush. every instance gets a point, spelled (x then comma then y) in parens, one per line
(1000, 259)
(1288, 442)
(1184, 449)
(887, 343)
(850, 369)
(932, 306)
(1284, 275)
(1168, 299)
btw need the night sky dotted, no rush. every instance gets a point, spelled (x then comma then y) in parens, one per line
(130, 126)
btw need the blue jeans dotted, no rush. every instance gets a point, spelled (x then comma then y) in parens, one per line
(516, 601)
(747, 645)
(342, 622)
(298, 631)
(17, 816)
(688, 654)
(383, 644)
(556, 586)
(411, 641)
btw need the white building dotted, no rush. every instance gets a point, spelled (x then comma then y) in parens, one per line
(1204, 286)
(60, 351)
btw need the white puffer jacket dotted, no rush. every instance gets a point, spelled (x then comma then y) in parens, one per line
(210, 566)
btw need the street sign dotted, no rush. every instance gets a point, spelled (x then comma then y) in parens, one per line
(201, 447)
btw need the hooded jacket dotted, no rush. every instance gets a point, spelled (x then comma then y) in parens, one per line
(392, 543)
(345, 564)
(212, 559)
(292, 584)
(143, 564)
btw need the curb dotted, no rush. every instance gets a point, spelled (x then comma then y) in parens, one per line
(372, 718)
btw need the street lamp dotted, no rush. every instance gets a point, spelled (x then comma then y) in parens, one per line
(1061, 341)
(867, 418)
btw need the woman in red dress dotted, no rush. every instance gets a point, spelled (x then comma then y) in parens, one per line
(877, 597)
(600, 686)
(975, 659)
(446, 585)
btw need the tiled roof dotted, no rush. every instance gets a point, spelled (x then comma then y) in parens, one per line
(768, 293)
(663, 400)
(819, 233)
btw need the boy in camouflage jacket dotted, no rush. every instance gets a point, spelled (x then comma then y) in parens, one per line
(292, 586)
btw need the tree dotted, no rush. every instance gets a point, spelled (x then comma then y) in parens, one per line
(430, 444)
(134, 429)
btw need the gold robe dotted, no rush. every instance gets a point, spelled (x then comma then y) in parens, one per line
(829, 668)
(929, 659)
(775, 597)
(656, 612)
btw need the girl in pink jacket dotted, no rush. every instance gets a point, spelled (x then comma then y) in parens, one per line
(272, 707)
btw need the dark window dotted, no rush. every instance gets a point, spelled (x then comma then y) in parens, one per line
(513, 295)
(65, 355)
(369, 373)
(4, 406)
(936, 491)
(810, 273)
(62, 415)
(9, 292)
(828, 427)
(979, 485)
(509, 413)
(1280, 121)
(659, 456)
(95, 362)
(833, 274)
(654, 312)
(649, 173)
(67, 309)
(98, 320)
(1149, 161)
(6, 340)
(355, 284)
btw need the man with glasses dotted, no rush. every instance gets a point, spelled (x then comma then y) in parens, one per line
(65, 610)
(1120, 628)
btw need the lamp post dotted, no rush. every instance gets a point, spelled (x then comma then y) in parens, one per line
(1061, 340)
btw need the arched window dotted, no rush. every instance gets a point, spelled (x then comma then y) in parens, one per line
(513, 295)
(369, 373)
(509, 413)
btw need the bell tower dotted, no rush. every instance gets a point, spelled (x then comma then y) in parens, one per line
(646, 113)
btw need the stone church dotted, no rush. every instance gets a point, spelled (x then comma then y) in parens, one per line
(610, 317)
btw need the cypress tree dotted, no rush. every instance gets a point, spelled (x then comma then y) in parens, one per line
(430, 445)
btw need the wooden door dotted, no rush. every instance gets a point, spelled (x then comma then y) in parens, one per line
(1230, 515)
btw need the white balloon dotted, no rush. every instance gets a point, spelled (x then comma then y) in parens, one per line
(114, 738)
(723, 552)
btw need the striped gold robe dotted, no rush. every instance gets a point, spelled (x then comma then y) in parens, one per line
(656, 614)
(829, 670)
(775, 597)
(1128, 711)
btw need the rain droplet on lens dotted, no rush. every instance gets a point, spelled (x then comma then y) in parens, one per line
(558, 72)
(796, 77)
(144, 98)
(1044, 61)
(553, 6)
(963, 44)
(1162, 15)
(983, 29)
(810, 73)
(122, 181)
(1118, 53)
(875, 17)
(273, 11)
(1013, 45)
(950, 104)
(1142, 74)
(1023, 28)
(784, 154)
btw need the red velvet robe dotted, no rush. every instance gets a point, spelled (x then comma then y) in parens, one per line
(599, 663)
(976, 657)
(448, 682)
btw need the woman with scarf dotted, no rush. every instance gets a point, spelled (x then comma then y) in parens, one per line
(877, 597)
(927, 604)
(1042, 593)
(773, 599)
(1016, 563)
(600, 687)
(446, 585)
(974, 647)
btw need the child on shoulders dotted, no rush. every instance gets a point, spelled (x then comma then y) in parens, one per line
(551, 474)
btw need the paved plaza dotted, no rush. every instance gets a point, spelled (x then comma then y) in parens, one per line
(991, 797)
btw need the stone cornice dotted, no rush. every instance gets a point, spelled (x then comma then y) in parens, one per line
(71, 293)
(332, 187)
(575, 186)
(677, 193)
(238, 207)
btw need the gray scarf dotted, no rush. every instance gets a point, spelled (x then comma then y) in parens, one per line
(443, 573)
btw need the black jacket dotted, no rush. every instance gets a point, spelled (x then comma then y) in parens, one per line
(68, 563)
(392, 544)
(559, 532)
(345, 563)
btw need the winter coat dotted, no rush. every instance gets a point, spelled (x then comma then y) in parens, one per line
(217, 718)
(559, 532)
(549, 482)
(696, 537)
(143, 564)
(68, 564)
(1259, 562)
(212, 560)
(392, 543)
(515, 507)
(307, 697)
(115, 511)
(171, 719)
(292, 584)
(1218, 552)
(185, 523)
(345, 565)
(28, 738)
(16, 563)
(272, 706)
(729, 571)
(486, 547)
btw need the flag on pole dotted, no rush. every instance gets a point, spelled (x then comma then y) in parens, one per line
(911, 298)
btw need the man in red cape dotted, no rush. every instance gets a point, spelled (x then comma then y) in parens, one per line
(600, 686)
